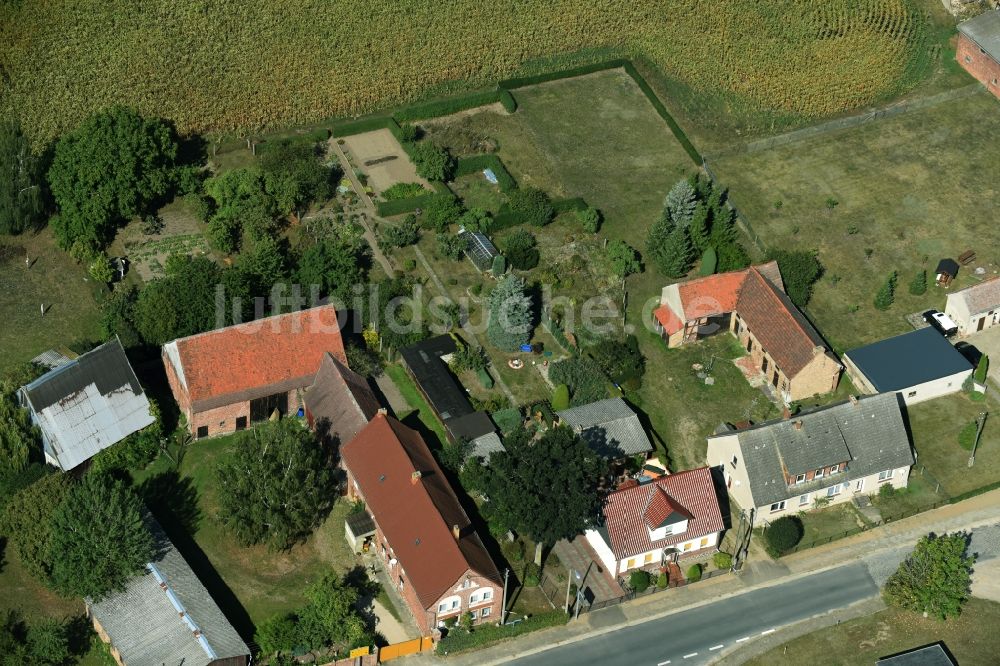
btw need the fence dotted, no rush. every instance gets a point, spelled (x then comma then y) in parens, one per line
(554, 591)
(652, 589)
(396, 650)
(741, 219)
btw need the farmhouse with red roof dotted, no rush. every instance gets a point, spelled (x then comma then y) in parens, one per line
(752, 305)
(227, 379)
(648, 525)
(421, 532)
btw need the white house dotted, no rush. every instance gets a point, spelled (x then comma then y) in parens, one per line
(919, 365)
(828, 454)
(975, 308)
(668, 518)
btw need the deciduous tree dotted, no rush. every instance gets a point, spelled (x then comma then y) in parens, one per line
(27, 521)
(432, 162)
(18, 437)
(277, 485)
(799, 271)
(510, 316)
(531, 205)
(624, 258)
(295, 174)
(520, 249)
(21, 181)
(934, 578)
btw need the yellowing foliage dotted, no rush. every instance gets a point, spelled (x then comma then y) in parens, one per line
(221, 65)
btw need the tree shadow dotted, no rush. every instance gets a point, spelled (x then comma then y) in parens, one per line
(176, 500)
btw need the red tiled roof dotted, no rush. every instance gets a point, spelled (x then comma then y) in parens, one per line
(670, 322)
(662, 508)
(254, 359)
(712, 295)
(416, 518)
(625, 519)
(781, 329)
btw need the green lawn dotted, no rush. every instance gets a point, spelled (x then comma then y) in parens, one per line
(65, 288)
(935, 425)
(866, 639)
(912, 188)
(828, 523)
(425, 414)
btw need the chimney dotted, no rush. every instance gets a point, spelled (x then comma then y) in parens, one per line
(786, 413)
(853, 399)
(455, 532)
(798, 424)
(416, 476)
(383, 411)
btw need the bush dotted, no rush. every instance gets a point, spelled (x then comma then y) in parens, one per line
(722, 560)
(799, 271)
(886, 491)
(783, 535)
(520, 250)
(508, 420)
(918, 286)
(639, 580)
(532, 574)
(560, 398)
(590, 219)
(709, 260)
(886, 295)
(405, 233)
(484, 378)
(409, 265)
(531, 205)
(694, 573)
(403, 191)
(982, 368)
(432, 162)
(450, 247)
(662, 581)
(967, 435)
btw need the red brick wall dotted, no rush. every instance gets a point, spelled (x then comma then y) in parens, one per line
(222, 420)
(985, 69)
(484, 584)
(180, 394)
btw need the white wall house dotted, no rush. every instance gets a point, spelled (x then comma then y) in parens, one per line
(975, 308)
(919, 365)
(829, 454)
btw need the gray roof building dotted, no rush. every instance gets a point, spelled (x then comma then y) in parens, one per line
(935, 654)
(867, 433)
(340, 402)
(165, 616)
(984, 30)
(87, 404)
(907, 360)
(609, 427)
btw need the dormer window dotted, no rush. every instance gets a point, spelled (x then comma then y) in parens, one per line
(818, 474)
(800, 478)
(734, 461)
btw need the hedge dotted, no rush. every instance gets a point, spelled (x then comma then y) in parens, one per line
(521, 82)
(487, 634)
(508, 101)
(476, 163)
(361, 125)
(662, 111)
(446, 107)
(566, 205)
(400, 206)
(973, 493)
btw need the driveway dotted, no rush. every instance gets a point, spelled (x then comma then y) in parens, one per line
(988, 342)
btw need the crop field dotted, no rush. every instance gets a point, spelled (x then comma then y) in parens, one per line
(909, 191)
(247, 65)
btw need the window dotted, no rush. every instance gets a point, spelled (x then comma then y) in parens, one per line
(454, 604)
(687, 546)
(241, 423)
(833, 490)
(401, 582)
(778, 506)
(804, 499)
(800, 478)
(466, 583)
(648, 558)
(818, 474)
(703, 542)
(968, 59)
(487, 595)
(442, 608)
(911, 394)
(735, 460)
(485, 612)
(474, 599)
(859, 485)
(630, 564)
(885, 476)
(202, 431)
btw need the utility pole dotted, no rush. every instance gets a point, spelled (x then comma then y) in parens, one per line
(569, 584)
(979, 433)
(503, 607)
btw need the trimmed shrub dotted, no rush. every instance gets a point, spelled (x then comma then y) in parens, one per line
(639, 580)
(361, 125)
(531, 205)
(499, 265)
(576, 204)
(400, 206)
(488, 634)
(484, 378)
(507, 420)
(446, 107)
(967, 435)
(508, 101)
(783, 535)
(918, 286)
(404, 191)
(477, 163)
(662, 581)
(709, 260)
(722, 560)
(560, 398)
(694, 573)
(982, 368)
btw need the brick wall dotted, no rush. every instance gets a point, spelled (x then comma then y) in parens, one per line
(180, 394)
(221, 420)
(985, 69)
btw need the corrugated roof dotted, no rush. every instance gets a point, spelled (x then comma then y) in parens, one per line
(910, 359)
(144, 622)
(415, 515)
(609, 427)
(981, 297)
(257, 358)
(984, 30)
(340, 401)
(625, 520)
(85, 405)
(870, 435)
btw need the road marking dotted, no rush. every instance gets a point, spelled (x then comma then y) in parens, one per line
(740, 640)
(765, 633)
(717, 647)
(693, 654)
(663, 663)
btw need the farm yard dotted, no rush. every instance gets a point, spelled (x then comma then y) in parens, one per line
(908, 191)
(302, 64)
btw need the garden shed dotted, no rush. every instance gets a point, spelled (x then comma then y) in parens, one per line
(945, 272)
(479, 249)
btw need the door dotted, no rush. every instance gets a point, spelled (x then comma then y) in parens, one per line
(763, 367)
(982, 322)
(774, 380)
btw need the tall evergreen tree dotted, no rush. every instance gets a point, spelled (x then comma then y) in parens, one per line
(676, 255)
(918, 286)
(700, 228)
(681, 202)
(510, 322)
(886, 295)
(21, 180)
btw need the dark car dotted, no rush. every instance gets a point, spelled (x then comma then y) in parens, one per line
(971, 354)
(941, 322)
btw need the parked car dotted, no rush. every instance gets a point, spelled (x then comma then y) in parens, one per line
(941, 322)
(971, 354)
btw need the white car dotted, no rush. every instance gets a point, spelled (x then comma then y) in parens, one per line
(944, 324)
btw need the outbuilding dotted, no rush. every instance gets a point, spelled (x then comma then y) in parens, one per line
(920, 365)
(978, 49)
(975, 308)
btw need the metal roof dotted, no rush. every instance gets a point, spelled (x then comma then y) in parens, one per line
(908, 360)
(869, 435)
(984, 30)
(609, 427)
(935, 654)
(166, 616)
(84, 406)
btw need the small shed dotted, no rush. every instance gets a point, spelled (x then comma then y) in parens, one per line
(479, 249)
(359, 528)
(945, 272)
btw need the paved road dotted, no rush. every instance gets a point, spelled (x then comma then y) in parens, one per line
(694, 636)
